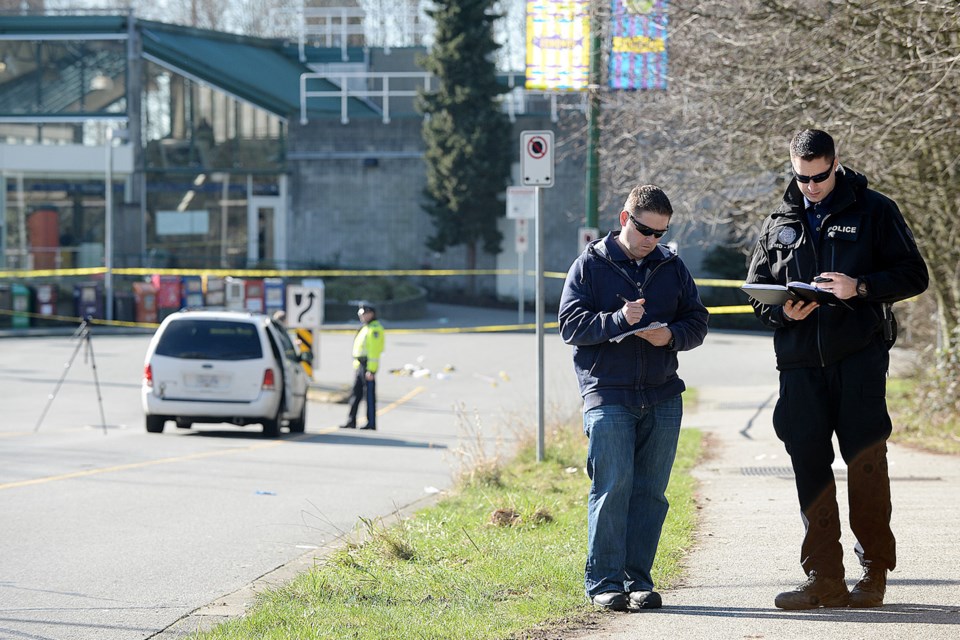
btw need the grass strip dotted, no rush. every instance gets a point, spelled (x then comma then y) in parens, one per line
(496, 559)
(918, 421)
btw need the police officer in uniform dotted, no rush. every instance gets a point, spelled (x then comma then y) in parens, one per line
(367, 347)
(831, 230)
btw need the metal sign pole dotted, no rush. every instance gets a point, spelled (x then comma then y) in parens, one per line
(108, 226)
(540, 303)
(520, 301)
(537, 170)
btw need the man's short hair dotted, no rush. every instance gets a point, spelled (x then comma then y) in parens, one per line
(648, 197)
(810, 144)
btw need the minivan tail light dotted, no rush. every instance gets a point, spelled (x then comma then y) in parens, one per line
(147, 375)
(269, 383)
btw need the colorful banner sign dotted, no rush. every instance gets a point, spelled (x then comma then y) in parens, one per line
(558, 45)
(638, 51)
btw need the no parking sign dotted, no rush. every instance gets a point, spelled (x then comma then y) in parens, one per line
(536, 158)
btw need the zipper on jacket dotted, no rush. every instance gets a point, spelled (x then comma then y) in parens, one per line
(640, 288)
(833, 251)
(816, 263)
(617, 268)
(643, 287)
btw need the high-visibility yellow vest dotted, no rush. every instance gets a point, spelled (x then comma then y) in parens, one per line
(368, 345)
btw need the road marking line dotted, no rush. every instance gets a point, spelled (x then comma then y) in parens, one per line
(138, 465)
(193, 456)
(393, 405)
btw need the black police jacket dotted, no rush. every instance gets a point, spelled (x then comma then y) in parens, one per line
(863, 236)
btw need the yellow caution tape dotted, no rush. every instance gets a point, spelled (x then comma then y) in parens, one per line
(302, 273)
(47, 273)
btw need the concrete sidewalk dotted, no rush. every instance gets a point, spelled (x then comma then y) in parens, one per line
(749, 537)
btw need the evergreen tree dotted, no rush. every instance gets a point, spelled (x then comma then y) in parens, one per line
(467, 136)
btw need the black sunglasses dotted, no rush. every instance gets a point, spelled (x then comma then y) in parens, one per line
(820, 177)
(645, 230)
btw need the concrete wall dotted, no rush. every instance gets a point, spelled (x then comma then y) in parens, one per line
(357, 194)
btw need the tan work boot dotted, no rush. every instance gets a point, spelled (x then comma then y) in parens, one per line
(870, 590)
(816, 592)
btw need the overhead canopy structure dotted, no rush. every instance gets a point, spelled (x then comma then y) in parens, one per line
(57, 78)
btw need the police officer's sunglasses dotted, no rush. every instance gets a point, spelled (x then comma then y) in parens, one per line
(818, 178)
(645, 230)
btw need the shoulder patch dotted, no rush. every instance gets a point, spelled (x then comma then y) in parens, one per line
(787, 235)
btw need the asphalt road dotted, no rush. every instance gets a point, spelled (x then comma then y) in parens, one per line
(117, 533)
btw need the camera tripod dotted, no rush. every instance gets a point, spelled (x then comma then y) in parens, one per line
(82, 336)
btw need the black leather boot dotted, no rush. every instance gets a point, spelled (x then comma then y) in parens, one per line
(870, 590)
(816, 592)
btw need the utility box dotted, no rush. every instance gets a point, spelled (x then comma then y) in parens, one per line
(88, 300)
(123, 306)
(253, 296)
(144, 303)
(6, 304)
(45, 303)
(234, 294)
(273, 295)
(191, 292)
(20, 295)
(214, 291)
(168, 294)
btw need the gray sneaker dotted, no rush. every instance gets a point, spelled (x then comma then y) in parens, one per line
(645, 600)
(816, 592)
(613, 600)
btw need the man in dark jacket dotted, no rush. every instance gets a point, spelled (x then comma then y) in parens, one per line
(832, 230)
(628, 306)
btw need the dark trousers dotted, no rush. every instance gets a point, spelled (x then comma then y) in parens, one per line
(848, 399)
(364, 388)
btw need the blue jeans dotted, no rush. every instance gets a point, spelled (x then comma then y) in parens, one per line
(629, 459)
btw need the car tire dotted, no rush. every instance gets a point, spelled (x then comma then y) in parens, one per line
(155, 424)
(183, 423)
(298, 424)
(271, 426)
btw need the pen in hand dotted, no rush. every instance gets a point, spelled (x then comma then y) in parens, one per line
(632, 311)
(625, 299)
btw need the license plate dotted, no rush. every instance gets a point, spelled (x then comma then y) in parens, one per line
(206, 381)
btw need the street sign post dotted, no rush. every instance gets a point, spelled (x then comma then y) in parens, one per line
(536, 169)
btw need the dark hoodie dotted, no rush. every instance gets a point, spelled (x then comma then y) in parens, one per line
(631, 372)
(864, 236)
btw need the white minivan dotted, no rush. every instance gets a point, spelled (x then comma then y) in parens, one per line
(223, 366)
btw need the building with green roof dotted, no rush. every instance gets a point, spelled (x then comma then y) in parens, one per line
(226, 151)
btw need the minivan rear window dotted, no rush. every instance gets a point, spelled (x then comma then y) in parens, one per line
(210, 340)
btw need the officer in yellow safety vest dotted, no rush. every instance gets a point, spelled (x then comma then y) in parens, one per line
(367, 347)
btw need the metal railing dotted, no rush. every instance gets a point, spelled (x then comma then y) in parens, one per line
(356, 84)
(346, 91)
(335, 26)
(331, 24)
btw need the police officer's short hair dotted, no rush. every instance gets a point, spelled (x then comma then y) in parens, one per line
(648, 197)
(811, 144)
